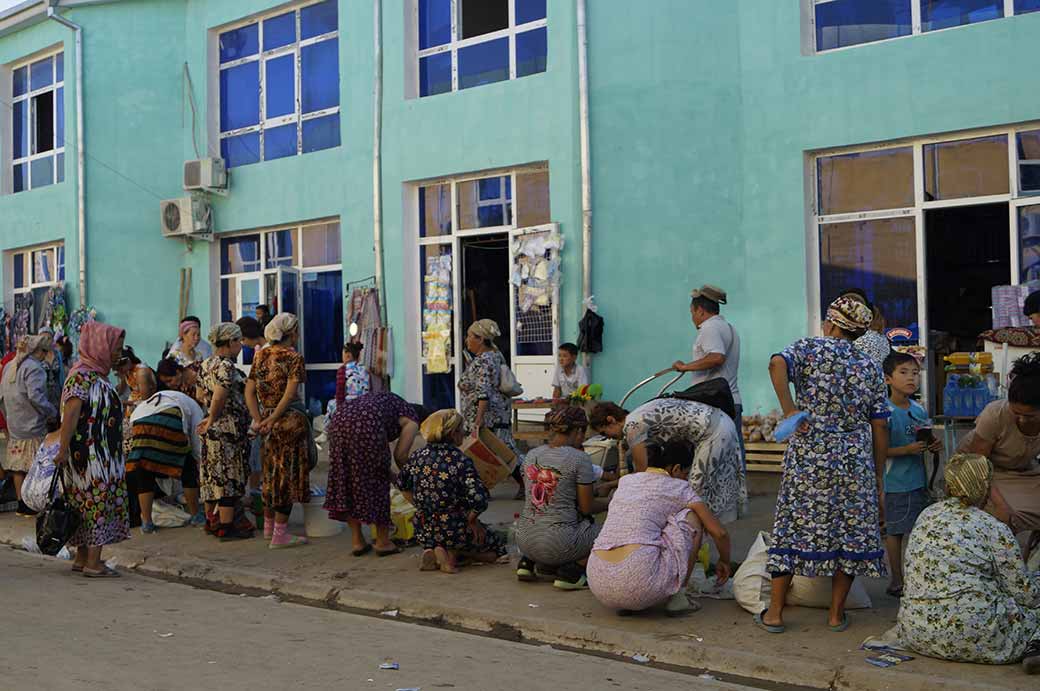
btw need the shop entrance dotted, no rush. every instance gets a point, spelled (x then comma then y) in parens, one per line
(485, 284)
(967, 254)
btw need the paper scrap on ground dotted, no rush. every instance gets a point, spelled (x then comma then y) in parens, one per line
(390, 613)
(533, 605)
(165, 635)
(389, 665)
(641, 658)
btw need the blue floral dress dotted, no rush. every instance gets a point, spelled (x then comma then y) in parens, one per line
(445, 487)
(827, 508)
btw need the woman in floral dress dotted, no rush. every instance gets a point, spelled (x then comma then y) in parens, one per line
(352, 379)
(968, 595)
(482, 402)
(91, 450)
(272, 395)
(224, 469)
(360, 433)
(827, 513)
(717, 473)
(449, 497)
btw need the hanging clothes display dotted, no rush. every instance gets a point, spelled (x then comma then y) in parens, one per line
(437, 314)
(590, 333)
(75, 325)
(23, 316)
(376, 354)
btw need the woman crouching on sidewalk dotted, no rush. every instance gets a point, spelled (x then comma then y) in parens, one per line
(646, 551)
(449, 496)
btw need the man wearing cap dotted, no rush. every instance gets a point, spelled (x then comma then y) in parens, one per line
(1032, 308)
(716, 352)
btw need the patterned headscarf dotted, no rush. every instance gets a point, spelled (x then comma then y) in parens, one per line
(282, 324)
(223, 332)
(563, 420)
(849, 315)
(439, 427)
(486, 330)
(96, 343)
(968, 477)
(186, 326)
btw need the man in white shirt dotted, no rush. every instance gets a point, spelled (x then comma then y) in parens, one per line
(716, 352)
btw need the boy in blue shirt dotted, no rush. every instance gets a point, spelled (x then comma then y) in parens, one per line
(906, 486)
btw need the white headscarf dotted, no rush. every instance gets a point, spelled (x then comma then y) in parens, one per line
(281, 325)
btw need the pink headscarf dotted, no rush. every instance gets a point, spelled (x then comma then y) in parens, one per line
(96, 343)
(186, 326)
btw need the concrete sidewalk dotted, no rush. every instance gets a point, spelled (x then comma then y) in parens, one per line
(720, 638)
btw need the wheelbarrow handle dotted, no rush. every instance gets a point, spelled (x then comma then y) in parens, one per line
(670, 370)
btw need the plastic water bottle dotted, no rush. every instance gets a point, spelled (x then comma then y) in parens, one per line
(511, 537)
(951, 397)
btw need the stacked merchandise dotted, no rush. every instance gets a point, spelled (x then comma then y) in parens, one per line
(536, 269)
(1009, 302)
(970, 384)
(437, 314)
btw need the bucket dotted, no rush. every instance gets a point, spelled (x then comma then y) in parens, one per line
(316, 520)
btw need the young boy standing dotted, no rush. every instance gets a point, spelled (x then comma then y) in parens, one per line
(569, 375)
(905, 482)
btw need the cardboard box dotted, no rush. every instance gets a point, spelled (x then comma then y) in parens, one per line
(493, 459)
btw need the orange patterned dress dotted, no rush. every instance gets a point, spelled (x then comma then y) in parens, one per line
(284, 452)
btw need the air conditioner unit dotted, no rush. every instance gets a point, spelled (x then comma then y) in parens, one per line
(187, 217)
(205, 174)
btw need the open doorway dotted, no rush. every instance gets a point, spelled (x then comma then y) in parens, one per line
(485, 284)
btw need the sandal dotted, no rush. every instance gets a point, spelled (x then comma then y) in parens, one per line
(294, 541)
(771, 628)
(388, 552)
(444, 561)
(103, 572)
(362, 552)
(838, 628)
(76, 568)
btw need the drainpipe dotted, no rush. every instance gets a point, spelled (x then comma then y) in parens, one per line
(377, 145)
(586, 186)
(81, 181)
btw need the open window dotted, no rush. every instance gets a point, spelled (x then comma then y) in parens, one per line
(38, 123)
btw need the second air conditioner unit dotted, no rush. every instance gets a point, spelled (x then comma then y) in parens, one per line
(187, 217)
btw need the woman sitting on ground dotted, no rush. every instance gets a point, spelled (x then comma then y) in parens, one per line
(645, 553)
(968, 596)
(360, 433)
(449, 496)
(717, 474)
(556, 528)
(163, 443)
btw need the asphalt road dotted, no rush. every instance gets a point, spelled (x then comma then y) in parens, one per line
(63, 631)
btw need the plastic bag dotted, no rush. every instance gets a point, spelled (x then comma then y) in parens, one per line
(401, 513)
(751, 584)
(38, 482)
(168, 516)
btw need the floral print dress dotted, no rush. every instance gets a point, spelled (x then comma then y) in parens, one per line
(480, 382)
(352, 380)
(717, 474)
(284, 453)
(95, 476)
(827, 507)
(445, 487)
(224, 466)
(968, 596)
(360, 433)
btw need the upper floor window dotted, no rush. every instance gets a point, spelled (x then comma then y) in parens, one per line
(466, 43)
(843, 23)
(38, 122)
(279, 85)
(31, 275)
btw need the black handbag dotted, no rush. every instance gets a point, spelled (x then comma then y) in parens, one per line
(57, 523)
(714, 392)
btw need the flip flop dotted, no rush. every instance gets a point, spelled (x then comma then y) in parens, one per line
(362, 552)
(842, 626)
(388, 552)
(771, 628)
(105, 572)
(76, 568)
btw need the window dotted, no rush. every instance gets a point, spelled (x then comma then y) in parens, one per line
(34, 272)
(279, 85)
(966, 168)
(1029, 242)
(843, 23)
(467, 43)
(866, 181)
(38, 123)
(1029, 162)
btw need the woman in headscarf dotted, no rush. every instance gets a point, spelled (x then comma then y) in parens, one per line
(717, 473)
(827, 514)
(873, 342)
(91, 449)
(178, 378)
(28, 409)
(482, 402)
(449, 496)
(968, 595)
(360, 433)
(225, 433)
(556, 528)
(273, 398)
(189, 348)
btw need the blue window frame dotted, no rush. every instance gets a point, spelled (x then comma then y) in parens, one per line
(481, 43)
(850, 22)
(37, 130)
(280, 84)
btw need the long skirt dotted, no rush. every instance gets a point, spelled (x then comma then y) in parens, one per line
(718, 475)
(359, 467)
(285, 472)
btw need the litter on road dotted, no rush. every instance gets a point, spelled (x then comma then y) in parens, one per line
(390, 665)
(390, 613)
(641, 658)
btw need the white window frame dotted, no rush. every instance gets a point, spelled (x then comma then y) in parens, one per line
(30, 285)
(263, 57)
(413, 283)
(27, 98)
(809, 25)
(456, 43)
(1015, 199)
(262, 274)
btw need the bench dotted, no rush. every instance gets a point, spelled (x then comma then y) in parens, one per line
(765, 457)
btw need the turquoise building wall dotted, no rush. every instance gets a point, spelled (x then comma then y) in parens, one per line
(701, 117)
